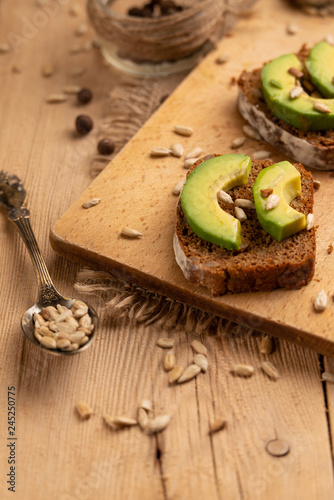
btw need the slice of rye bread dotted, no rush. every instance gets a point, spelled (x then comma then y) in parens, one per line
(262, 263)
(313, 149)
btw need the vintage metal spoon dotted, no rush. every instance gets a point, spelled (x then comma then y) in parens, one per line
(12, 197)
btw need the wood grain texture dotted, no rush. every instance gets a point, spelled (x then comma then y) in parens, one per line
(136, 190)
(61, 457)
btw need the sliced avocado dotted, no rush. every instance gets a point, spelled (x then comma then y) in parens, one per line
(320, 65)
(282, 221)
(298, 112)
(200, 204)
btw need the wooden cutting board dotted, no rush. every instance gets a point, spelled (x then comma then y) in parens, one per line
(136, 190)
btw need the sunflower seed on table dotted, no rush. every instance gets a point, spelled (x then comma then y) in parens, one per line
(225, 197)
(87, 46)
(251, 132)
(84, 410)
(55, 98)
(240, 214)
(75, 10)
(71, 89)
(130, 233)
(269, 369)
(91, 203)
(160, 152)
(199, 348)
(77, 71)
(143, 418)
(238, 142)
(157, 424)
(243, 370)
(322, 107)
(146, 404)
(165, 342)
(242, 203)
(266, 345)
(329, 38)
(177, 150)
(261, 155)
(75, 49)
(169, 361)
(47, 70)
(291, 28)
(316, 184)
(201, 361)
(189, 373)
(4, 47)
(194, 153)
(320, 301)
(178, 188)
(118, 421)
(272, 201)
(188, 163)
(81, 29)
(328, 377)
(296, 92)
(175, 374)
(217, 425)
(182, 130)
(222, 59)
(309, 222)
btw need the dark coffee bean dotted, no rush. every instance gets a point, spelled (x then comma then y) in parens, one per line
(84, 124)
(84, 96)
(134, 11)
(105, 146)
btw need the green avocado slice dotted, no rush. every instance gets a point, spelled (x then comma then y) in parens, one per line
(285, 181)
(277, 83)
(199, 199)
(320, 65)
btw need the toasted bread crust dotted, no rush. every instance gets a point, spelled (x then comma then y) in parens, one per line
(262, 263)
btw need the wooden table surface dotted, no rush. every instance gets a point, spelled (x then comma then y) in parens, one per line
(59, 456)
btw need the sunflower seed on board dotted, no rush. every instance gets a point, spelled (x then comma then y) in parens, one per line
(4, 47)
(160, 152)
(47, 70)
(320, 301)
(75, 49)
(272, 201)
(238, 142)
(75, 10)
(84, 410)
(222, 59)
(177, 150)
(328, 377)
(240, 214)
(291, 28)
(199, 348)
(130, 233)
(189, 373)
(322, 107)
(296, 92)
(146, 404)
(169, 361)
(55, 98)
(242, 203)
(157, 424)
(71, 89)
(182, 130)
(316, 184)
(178, 188)
(118, 421)
(166, 343)
(201, 361)
(217, 425)
(91, 203)
(225, 197)
(175, 374)
(77, 71)
(251, 132)
(329, 38)
(81, 29)
(194, 153)
(309, 221)
(87, 46)
(261, 155)
(266, 345)
(270, 370)
(142, 418)
(188, 163)
(243, 370)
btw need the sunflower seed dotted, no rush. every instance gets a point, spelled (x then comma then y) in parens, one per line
(177, 150)
(142, 418)
(48, 342)
(178, 188)
(329, 377)
(118, 422)
(296, 92)
(182, 130)
(157, 424)
(165, 342)
(47, 70)
(266, 192)
(272, 201)
(189, 373)
(160, 152)
(295, 72)
(266, 345)
(316, 184)
(84, 409)
(225, 197)
(269, 369)
(87, 46)
(175, 374)
(146, 404)
(75, 10)
(78, 71)
(322, 107)
(240, 214)
(329, 39)
(194, 153)
(4, 47)
(55, 98)
(309, 221)
(261, 155)
(81, 29)
(222, 59)
(251, 132)
(243, 370)
(320, 301)
(217, 425)
(238, 142)
(188, 163)
(91, 203)
(242, 203)
(71, 89)
(201, 361)
(130, 233)
(75, 49)
(169, 361)
(291, 29)
(83, 341)
(199, 347)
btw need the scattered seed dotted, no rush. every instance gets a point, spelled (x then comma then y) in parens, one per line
(330, 249)
(194, 153)
(106, 146)
(201, 361)
(81, 29)
(87, 46)
(276, 84)
(199, 348)
(160, 152)
(16, 69)
(55, 98)
(78, 71)
(322, 107)
(75, 10)
(71, 89)
(328, 377)
(243, 370)
(251, 132)
(222, 59)
(118, 422)
(240, 214)
(225, 197)
(329, 39)
(309, 222)
(146, 404)
(84, 409)
(266, 345)
(177, 150)
(320, 301)
(238, 142)
(261, 155)
(189, 373)
(266, 192)
(178, 188)
(158, 424)
(166, 343)
(188, 163)
(316, 184)
(91, 203)
(84, 96)
(277, 448)
(130, 233)
(291, 29)
(242, 203)
(169, 361)
(4, 48)
(217, 425)
(182, 130)
(296, 92)
(269, 369)
(75, 49)
(143, 419)
(175, 374)
(84, 124)
(272, 201)
(295, 72)
(47, 70)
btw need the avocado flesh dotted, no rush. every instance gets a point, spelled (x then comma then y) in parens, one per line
(320, 65)
(283, 221)
(298, 112)
(200, 204)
